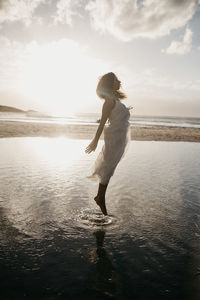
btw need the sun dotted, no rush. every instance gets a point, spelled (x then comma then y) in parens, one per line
(60, 76)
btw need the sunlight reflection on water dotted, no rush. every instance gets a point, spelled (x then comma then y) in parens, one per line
(46, 204)
(46, 185)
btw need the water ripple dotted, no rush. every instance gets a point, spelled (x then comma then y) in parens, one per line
(90, 218)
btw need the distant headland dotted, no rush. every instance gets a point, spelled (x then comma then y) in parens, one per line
(28, 113)
(5, 108)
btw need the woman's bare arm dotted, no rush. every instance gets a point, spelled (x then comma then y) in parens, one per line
(106, 110)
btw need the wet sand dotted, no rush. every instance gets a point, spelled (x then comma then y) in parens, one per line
(154, 133)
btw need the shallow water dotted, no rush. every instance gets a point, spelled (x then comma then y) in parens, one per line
(55, 243)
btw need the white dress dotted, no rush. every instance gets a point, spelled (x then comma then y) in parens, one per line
(116, 138)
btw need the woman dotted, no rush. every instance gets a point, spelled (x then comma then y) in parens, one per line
(116, 134)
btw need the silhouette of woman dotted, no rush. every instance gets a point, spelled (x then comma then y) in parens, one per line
(116, 134)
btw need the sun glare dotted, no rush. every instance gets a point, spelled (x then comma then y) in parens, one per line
(60, 76)
(61, 150)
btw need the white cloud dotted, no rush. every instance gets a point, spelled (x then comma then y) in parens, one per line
(127, 19)
(12, 56)
(15, 10)
(66, 9)
(181, 47)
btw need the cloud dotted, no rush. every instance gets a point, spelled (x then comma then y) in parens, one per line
(12, 56)
(15, 10)
(66, 9)
(125, 19)
(24, 10)
(181, 47)
(128, 19)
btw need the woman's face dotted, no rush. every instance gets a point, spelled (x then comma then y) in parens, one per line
(116, 84)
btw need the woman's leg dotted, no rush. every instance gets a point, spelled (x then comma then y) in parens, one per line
(100, 198)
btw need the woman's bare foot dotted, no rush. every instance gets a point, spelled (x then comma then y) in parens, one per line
(101, 203)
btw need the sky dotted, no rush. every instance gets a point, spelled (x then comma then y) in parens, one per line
(53, 52)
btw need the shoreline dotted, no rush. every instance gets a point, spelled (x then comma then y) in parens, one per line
(79, 131)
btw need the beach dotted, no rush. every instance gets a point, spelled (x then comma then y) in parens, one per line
(139, 133)
(56, 244)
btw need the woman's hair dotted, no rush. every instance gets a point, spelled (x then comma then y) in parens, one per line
(105, 87)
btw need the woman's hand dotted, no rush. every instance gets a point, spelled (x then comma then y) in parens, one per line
(91, 147)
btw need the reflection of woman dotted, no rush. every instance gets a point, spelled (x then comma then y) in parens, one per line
(116, 134)
(103, 279)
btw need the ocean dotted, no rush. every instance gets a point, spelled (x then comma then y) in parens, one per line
(55, 243)
(91, 119)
